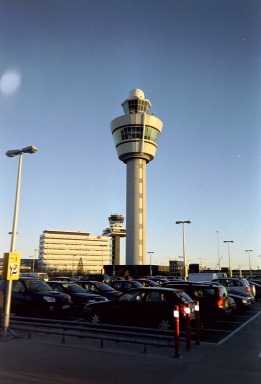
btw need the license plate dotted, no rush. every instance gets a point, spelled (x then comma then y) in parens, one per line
(65, 306)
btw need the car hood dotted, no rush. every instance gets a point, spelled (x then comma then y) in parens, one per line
(240, 295)
(85, 296)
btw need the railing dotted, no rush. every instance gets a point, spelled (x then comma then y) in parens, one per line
(101, 332)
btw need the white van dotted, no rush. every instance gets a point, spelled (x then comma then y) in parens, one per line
(201, 277)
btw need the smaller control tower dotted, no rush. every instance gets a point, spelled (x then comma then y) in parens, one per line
(116, 230)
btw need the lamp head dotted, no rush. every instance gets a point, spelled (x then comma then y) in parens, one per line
(13, 152)
(30, 149)
(183, 222)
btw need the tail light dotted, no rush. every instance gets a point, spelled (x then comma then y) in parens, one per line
(221, 303)
(187, 310)
(253, 290)
(184, 309)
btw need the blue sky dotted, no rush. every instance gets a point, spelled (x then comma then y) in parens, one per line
(198, 62)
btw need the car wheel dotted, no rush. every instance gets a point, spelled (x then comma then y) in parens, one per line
(164, 325)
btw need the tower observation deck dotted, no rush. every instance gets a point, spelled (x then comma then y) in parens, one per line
(136, 135)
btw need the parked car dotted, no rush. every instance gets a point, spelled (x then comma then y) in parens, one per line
(148, 282)
(146, 307)
(213, 298)
(125, 285)
(79, 295)
(100, 288)
(257, 284)
(32, 297)
(160, 280)
(254, 277)
(242, 300)
(237, 285)
(35, 275)
(62, 278)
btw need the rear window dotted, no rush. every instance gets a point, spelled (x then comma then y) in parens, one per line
(222, 291)
(136, 284)
(210, 291)
(184, 297)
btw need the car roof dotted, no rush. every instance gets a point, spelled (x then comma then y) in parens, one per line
(61, 282)
(90, 281)
(229, 278)
(197, 283)
(151, 289)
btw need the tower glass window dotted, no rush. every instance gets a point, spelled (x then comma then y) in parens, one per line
(136, 106)
(135, 132)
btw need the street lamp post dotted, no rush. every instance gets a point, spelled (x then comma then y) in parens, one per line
(34, 258)
(218, 251)
(248, 252)
(228, 242)
(185, 268)
(73, 263)
(150, 253)
(8, 295)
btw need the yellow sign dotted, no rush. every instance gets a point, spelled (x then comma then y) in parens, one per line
(12, 262)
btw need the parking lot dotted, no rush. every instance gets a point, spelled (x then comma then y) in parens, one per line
(44, 359)
(220, 330)
(134, 313)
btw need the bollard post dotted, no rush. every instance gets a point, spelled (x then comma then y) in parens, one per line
(188, 329)
(198, 325)
(176, 332)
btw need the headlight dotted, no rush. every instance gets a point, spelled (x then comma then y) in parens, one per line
(49, 299)
(244, 301)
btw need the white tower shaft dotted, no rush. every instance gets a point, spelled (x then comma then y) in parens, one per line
(136, 212)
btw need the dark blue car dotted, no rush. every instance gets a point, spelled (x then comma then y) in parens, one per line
(32, 297)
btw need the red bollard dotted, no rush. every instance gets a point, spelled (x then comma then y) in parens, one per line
(188, 329)
(197, 313)
(176, 332)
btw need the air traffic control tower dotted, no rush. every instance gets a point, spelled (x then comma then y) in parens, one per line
(136, 134)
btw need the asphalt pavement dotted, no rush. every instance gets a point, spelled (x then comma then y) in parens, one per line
(45, 360)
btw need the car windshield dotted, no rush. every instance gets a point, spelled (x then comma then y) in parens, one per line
(37, 286)
(137, 284)
(103, 287)
(152, 283)
(74, 288)
(245, 283)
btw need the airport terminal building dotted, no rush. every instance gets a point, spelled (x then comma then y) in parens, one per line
(73, 251)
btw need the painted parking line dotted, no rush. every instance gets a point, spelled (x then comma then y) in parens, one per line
(239, 328)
